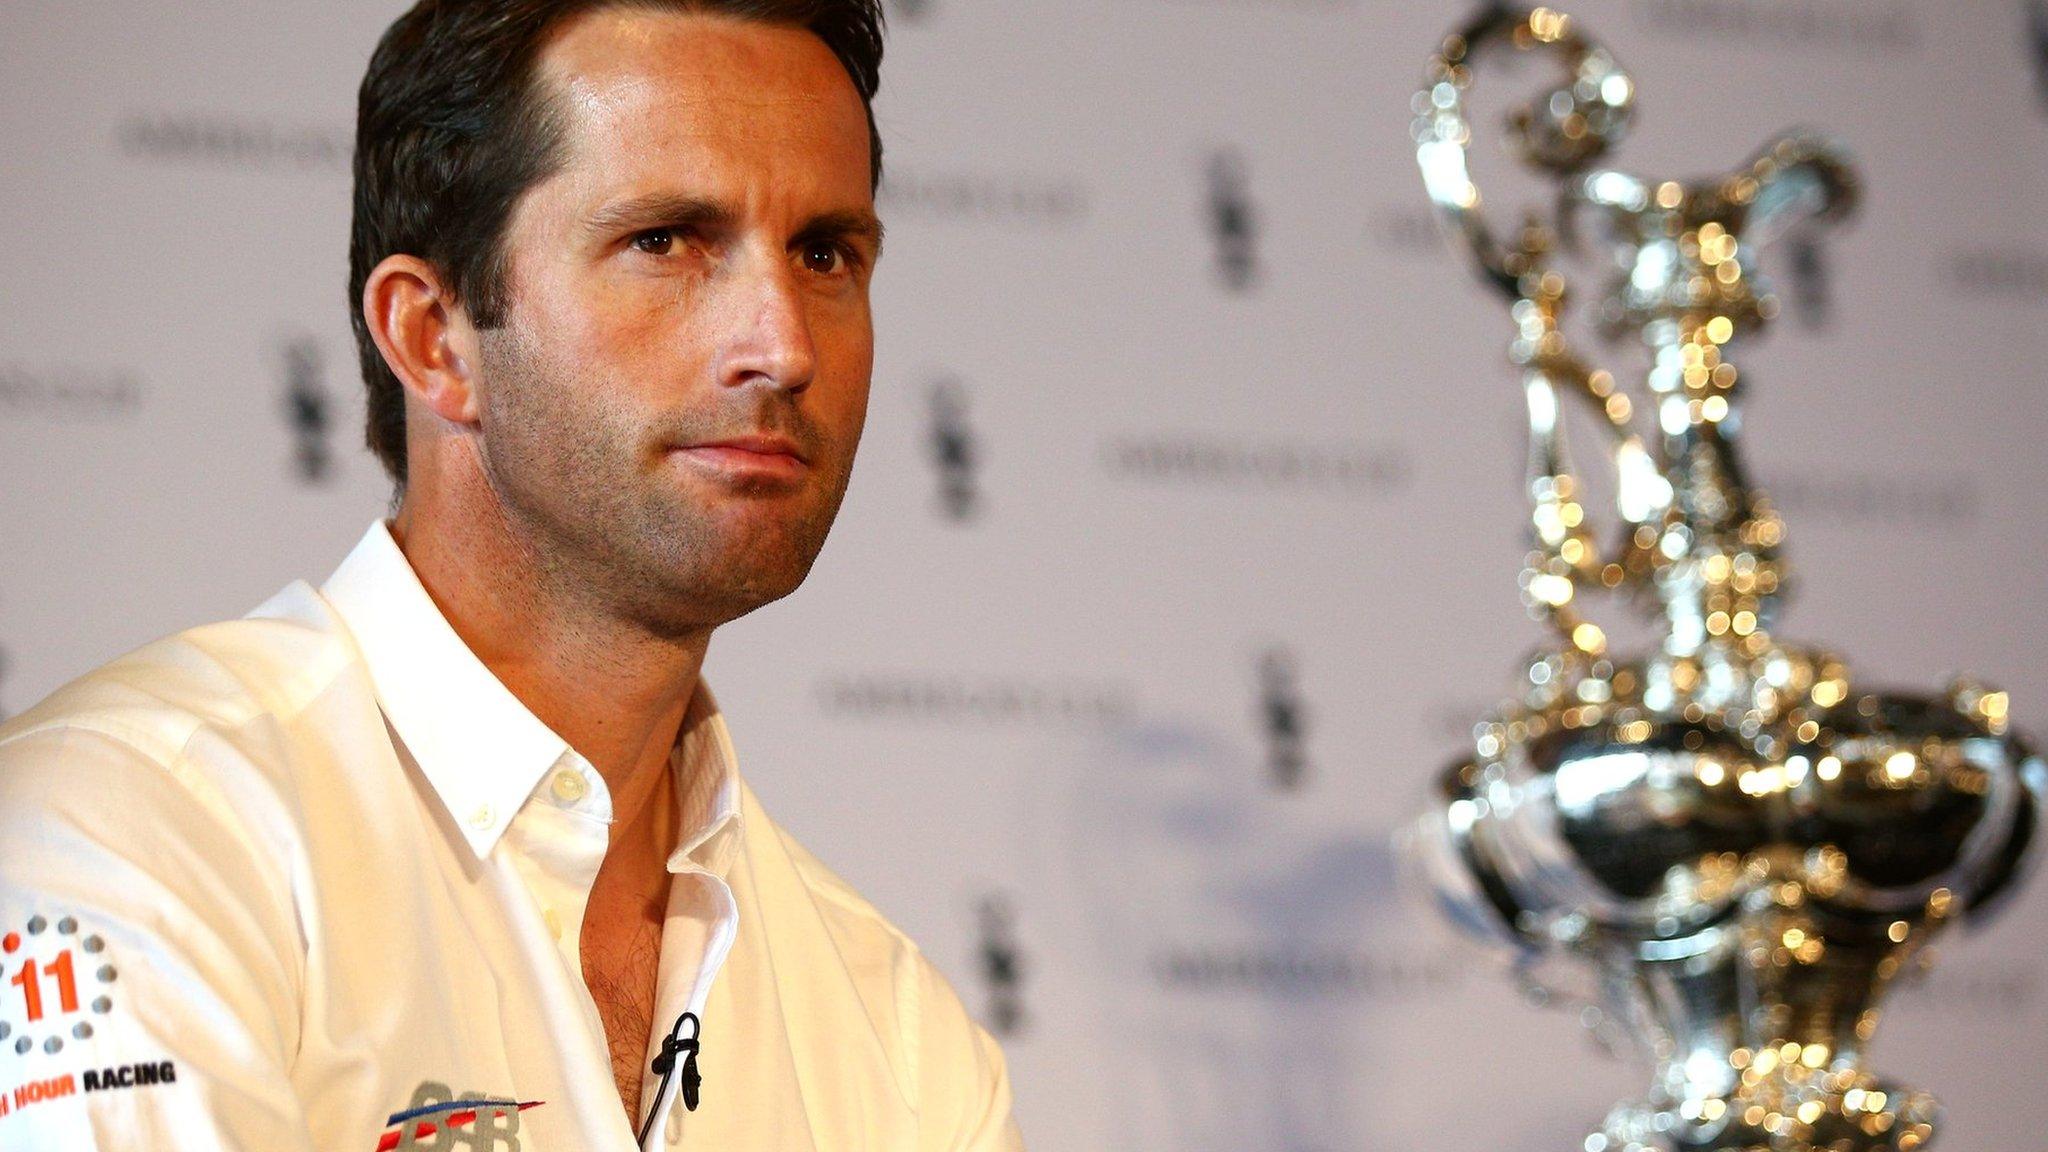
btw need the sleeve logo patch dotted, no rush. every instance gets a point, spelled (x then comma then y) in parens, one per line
(439, 1119)
(54, 979)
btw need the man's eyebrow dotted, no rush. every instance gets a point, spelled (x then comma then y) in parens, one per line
(663, 208)
(857, 224)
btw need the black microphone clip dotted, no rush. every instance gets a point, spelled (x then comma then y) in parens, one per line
(673, 1045)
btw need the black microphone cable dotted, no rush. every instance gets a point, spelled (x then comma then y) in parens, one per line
(664, 1065)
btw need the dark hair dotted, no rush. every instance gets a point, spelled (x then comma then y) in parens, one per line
(452, 128)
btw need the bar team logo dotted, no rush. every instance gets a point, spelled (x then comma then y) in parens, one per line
(439, 1119)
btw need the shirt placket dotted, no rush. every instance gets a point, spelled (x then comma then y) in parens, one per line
(676, 999)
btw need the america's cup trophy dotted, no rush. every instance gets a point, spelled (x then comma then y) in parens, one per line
(1740, 848)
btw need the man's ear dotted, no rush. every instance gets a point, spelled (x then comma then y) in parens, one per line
(426, 338)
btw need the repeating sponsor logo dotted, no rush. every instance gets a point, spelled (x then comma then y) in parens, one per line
(1283, 718)
(1233, 220)
(1002, 966)
(983, 197)
(1235, 462)
(2009, 271)
(234, 141)
(1947, 502)
(968, 699)
(69, 392)
(307, 410)
(438, 1118)
(1297, 5)
(912, 11)
(953, 454)
(1285, 970)
(2037, 43)
(1851, 25)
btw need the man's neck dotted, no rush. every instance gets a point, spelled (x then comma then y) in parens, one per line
(616, 693)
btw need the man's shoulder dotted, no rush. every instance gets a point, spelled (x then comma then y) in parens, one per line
(217, 677)
(825, 886)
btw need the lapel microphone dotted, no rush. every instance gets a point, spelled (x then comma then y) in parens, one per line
(673, 1045)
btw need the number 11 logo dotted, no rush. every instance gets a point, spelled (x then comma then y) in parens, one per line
(32, 989)
(43, 1018)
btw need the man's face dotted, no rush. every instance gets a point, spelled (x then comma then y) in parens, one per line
(671, 407)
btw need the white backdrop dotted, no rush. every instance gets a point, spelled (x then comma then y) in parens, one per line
(1192, 464)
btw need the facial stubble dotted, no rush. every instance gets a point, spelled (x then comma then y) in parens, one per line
(609, 520)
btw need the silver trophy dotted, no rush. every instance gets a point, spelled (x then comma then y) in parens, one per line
(1738, 848)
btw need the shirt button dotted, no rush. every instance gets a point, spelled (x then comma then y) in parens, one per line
(569, 786)
(483, 817)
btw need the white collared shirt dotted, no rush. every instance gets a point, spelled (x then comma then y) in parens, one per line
(305, 880)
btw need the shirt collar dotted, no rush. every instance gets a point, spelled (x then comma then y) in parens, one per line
(477, 745)
(708, 788)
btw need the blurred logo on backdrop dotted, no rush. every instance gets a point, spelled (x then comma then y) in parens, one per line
(2037, 41)
(1233, 220)
(3, 684)
(69, 393)
(1852, 25)
(308, 411)
(2010, 271)
(1941, 503)
(1002, 964)
(952, 451)
(1008, 198)
(1283, 719)
(971, 699)
(1243, 462)
(912, 11)
(219, 138)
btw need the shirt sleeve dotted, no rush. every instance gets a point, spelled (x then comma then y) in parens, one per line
(963, 1083)
(148, 958)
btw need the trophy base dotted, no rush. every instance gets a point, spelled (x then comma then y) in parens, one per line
(1868, 1115)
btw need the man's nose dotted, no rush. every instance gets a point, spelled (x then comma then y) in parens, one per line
(770, 343)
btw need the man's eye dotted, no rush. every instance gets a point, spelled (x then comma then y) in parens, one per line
(655, 242)
(823, 258)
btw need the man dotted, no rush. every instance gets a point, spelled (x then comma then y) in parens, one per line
(451, 852)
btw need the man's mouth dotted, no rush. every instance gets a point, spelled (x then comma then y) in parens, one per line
(754, 458)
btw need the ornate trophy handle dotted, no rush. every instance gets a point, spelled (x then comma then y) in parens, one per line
(1560, 132)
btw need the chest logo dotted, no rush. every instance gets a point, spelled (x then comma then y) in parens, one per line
(442, 1121)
